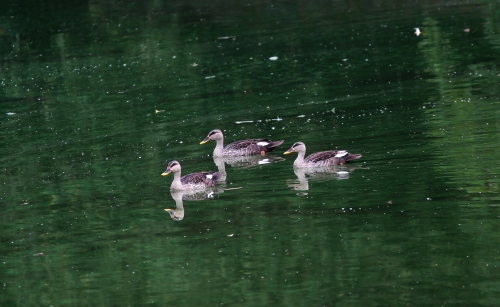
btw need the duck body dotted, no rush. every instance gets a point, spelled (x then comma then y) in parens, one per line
(321, 158)
(193, 181)
(240, 148)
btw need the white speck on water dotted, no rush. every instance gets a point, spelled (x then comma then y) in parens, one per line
(273, 58)
(11, 113)
(301, 116)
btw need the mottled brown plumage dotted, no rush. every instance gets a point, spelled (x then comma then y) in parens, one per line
(240, 148)
(322, 158)
(191, 181)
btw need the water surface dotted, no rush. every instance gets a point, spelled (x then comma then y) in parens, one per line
(96, 98)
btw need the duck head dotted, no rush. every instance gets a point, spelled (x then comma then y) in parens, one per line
(173, 166)
(215, 134)
(297, 147)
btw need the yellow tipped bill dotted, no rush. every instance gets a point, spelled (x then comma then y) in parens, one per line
(205, 140)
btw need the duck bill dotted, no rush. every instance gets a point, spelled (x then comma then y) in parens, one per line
(289, 151)
(166, 172)
(205, 140)
(170, 212)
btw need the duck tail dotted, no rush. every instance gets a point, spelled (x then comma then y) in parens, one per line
(271, 146)
(351, 157)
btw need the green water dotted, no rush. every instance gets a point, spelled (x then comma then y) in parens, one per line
(97, 97)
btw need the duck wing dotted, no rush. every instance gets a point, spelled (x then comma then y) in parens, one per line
(252, 146)
(331, 157)
(201, 178)
(322, 157)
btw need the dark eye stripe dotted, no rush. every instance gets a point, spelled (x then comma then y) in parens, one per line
(212, 133)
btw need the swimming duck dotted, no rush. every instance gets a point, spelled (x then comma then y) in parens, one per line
(191, 181)
(240, 148)
(322, 158)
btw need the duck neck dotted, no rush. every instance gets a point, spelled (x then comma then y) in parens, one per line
(221, 166)
(219, 148)
(300, 158)
(176, 183)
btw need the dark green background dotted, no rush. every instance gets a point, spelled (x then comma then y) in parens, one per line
(82, 199)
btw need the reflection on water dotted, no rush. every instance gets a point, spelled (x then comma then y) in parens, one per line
(177, 214)
(334, 172)
(244, 162)
(79, 184)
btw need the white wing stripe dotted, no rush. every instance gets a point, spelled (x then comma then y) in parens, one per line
(340, 154)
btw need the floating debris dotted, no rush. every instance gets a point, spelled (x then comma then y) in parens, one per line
(390, 202)
(229, 189)
(11, 113)
(466, 30)
(194, 64)
(333, 110)
(273, 58)
(38, 254)
(244, 121)
(209, 77)
(231, 235)
(417, 31)
(277, 118)
(301, 116)
(226, 37)
(159, 111)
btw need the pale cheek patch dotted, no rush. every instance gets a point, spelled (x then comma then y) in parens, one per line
(262, 143)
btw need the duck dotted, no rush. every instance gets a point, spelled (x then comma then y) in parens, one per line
(322, 158)
(240, 148)
(193, 181)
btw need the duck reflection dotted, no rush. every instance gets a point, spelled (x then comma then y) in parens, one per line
(339, 172)
(243, 162)
(177, 214)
